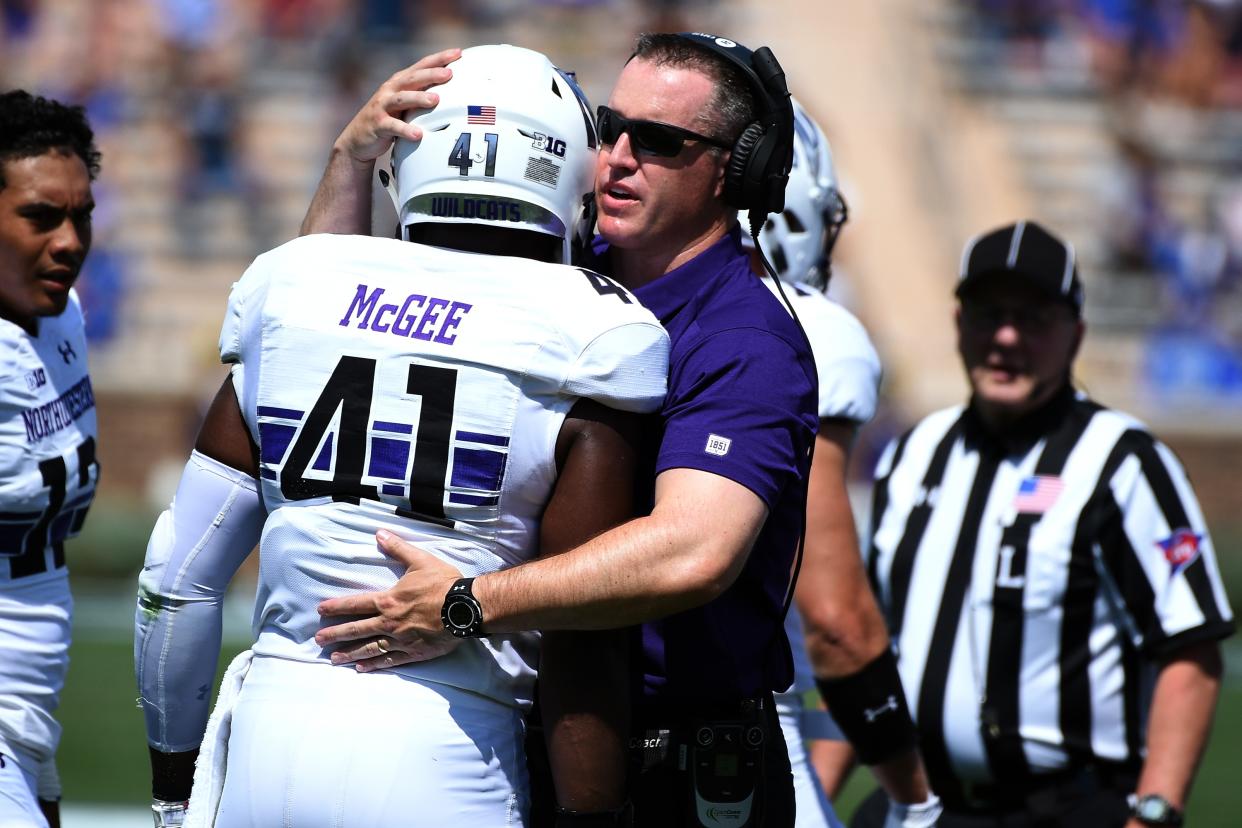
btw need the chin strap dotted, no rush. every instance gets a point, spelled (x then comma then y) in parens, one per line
(580, 252)
(389, 182)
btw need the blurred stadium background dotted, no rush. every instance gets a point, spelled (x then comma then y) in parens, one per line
(1116, 122)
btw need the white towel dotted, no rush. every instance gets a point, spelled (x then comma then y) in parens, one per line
(214, 753)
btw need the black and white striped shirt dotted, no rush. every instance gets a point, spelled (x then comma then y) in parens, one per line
(1030, 584)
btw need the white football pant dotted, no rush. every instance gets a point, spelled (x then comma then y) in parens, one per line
(313, 744)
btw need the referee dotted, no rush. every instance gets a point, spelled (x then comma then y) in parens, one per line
(1046, 574)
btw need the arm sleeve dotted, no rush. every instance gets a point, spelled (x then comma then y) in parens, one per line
(745, 409)
(197, 545)
(1157, 551)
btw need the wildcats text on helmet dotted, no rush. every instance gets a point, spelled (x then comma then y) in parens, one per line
(489, 209)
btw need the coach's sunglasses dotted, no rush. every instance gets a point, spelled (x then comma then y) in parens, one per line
(648, 137)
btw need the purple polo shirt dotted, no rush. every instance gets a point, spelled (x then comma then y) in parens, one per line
(741, 404)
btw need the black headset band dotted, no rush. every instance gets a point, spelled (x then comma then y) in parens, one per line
(744, 59)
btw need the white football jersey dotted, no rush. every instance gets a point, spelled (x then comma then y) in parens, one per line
(849, 384)
(47, 445)
(846, 361)
(47, 480)
(400, 386)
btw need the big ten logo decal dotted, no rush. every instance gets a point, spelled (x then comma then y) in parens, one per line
(36, 378)
(548, 143)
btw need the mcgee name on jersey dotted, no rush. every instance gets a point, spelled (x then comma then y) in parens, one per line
(425, 323)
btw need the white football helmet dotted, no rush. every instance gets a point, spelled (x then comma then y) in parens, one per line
(510, 144)
(798, 241)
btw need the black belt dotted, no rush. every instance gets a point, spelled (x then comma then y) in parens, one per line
(1040, 792)
(674, 711)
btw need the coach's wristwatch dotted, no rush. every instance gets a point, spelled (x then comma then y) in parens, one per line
(1154, 809)
(461, 613)
(168, 814)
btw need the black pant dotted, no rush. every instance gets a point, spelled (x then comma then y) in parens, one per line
(662, 785)
(1100, 808)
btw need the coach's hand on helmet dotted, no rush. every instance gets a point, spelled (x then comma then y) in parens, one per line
(380, 122)
(398, 626)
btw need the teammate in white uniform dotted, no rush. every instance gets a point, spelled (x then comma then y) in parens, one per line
(47, 431)
(452, 398)
(799, 243)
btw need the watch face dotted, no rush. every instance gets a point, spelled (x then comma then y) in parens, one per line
(460, 614)
(1152, 809)
(1155, 810)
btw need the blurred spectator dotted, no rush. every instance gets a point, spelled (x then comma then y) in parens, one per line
(210, 119)
(17, 19)
(1195, 66)
(101, 287)
(192, 24)
(1130, 38)
(1133, 218)
(387, 20)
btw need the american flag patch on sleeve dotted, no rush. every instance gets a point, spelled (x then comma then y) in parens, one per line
(1037, 494)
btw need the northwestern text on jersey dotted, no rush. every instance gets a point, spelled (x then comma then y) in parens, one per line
(60, 413)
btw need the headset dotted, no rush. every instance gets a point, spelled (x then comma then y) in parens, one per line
(762, 155)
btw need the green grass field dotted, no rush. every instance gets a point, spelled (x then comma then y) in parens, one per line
(103, 752)
(1217, 795)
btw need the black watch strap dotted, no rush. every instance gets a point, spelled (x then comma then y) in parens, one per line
(462, 614)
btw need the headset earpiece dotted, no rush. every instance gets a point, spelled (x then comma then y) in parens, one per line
(737, 193)
(759, 163)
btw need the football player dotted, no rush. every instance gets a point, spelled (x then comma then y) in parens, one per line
(47, 431)
(467, 396)
(832, 589)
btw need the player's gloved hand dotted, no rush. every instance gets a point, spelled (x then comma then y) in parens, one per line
(379, 122)
(168, 814)
(914, 815)
(400, 625)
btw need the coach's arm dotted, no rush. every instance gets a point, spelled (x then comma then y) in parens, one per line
(689, 550)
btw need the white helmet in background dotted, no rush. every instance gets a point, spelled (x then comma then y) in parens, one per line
(798, 241)
(510, 144)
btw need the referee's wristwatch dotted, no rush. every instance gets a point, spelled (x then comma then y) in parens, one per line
(462, 615)
(1154, 809)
